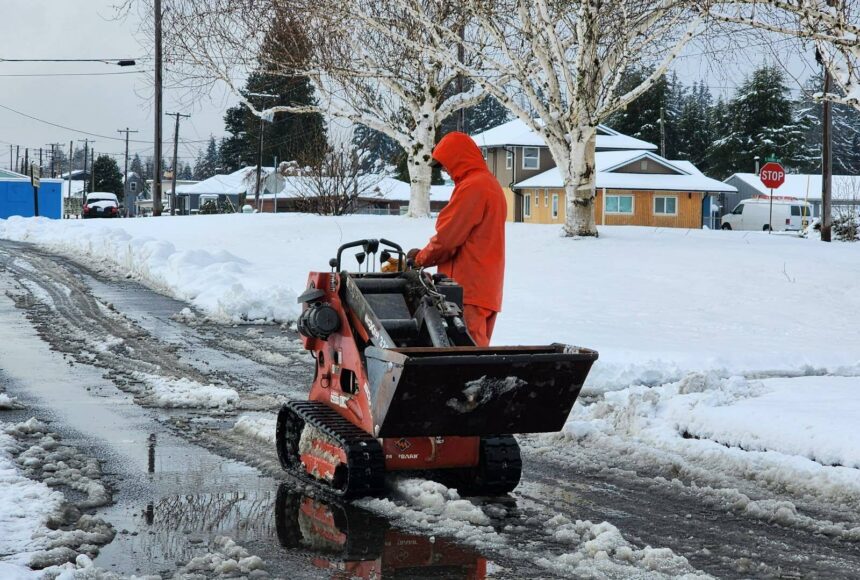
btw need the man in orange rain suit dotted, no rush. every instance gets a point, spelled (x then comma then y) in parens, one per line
(469, 245)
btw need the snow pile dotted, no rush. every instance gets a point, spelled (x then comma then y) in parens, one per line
(8, 403)
(257, 425)
(25, 506)
(793, 435)
(215, 280)
(185, 393)
(601, 551)
(40, 528)
(226, 560)
(430, 506)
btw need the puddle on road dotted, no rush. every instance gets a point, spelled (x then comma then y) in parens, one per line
(173, 498)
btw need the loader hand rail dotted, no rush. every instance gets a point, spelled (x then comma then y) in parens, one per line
(370, 243)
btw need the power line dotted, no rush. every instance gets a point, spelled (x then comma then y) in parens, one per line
(123, 72)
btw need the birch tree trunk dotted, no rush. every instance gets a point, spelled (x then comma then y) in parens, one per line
(578, 176)
(420, 177)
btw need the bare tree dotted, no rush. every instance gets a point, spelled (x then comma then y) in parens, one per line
(361, 75)
(833, 26)
(557, 66)
(336, 183)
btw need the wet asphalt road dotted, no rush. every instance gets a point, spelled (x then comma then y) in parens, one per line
(181, 477)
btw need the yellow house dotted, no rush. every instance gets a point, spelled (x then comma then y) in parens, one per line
(635, 186)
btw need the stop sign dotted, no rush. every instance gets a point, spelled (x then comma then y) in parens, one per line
(772, 175)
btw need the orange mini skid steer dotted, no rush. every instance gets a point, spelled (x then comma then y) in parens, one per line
(399, 385)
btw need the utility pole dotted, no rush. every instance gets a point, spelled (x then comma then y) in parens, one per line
(125, 172)
(86, 143)
(92, 170)
(175, 155)
(826, 160)
(663, 132)
(17, 156)
(260, 153)
(71, 154)
(156, 178)
(11, 167)
(55, 149)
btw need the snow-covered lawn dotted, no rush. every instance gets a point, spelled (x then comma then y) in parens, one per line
(736, 352)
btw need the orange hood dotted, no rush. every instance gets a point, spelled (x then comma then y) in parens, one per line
(459, 155)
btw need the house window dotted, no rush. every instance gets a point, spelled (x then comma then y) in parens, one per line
(643, 165)
(665, 205)
(545, 198)
(531, 157)
(527, 205)
(619, 204)
(554, 205)
(132, 186)
(509, 159)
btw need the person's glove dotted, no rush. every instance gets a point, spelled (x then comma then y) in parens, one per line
(411, 255)
(390, 265)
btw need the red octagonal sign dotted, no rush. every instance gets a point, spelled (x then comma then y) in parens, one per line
(772, 175)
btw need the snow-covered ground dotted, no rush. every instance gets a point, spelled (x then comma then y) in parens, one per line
(722, 354)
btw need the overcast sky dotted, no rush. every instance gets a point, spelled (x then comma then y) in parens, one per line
(95, 104)
(102, 104)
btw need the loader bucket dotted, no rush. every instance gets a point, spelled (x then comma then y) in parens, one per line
(471, 391)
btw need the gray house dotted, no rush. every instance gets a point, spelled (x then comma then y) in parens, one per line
(134, 186)
(800, 186)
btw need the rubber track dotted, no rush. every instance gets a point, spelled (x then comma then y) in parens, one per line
(501, 463)
(365, 460)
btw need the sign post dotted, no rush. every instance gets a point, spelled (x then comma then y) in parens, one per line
(772, 175)
(35, 178)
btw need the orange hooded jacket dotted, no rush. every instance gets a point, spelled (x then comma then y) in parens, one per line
(469, 245)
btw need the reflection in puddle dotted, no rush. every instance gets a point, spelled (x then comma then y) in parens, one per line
(349, 542)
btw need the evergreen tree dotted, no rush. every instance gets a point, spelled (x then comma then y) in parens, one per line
(186, 172)
(289, 137)
(845, 135)
(107, 176)
(207, 161)
(641, 118)
(137, 166)
(759, 120)
(693, 129)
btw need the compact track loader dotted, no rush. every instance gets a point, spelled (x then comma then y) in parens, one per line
(399, 384)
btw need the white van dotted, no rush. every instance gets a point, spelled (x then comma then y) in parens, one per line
(754, 214)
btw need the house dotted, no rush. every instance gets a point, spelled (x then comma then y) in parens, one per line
(801, 186)
(640, 187)
(381, 195)
(235, 188)
(133, 186)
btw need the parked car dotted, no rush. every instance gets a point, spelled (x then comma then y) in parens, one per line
(101, 204)
(754, 214)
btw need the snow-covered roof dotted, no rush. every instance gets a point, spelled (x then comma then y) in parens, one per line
(77, 187)
(234, 183)
(805, 186)
(686, 178)
(382, 187)
(7, 174)
(517, 133)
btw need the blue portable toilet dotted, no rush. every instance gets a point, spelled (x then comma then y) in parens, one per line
(16, 196)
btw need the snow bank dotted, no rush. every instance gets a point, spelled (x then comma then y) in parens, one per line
(656, 303)
(185, 393)
(790, 435)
